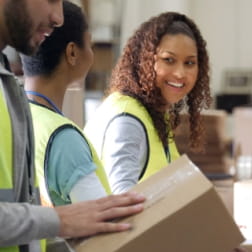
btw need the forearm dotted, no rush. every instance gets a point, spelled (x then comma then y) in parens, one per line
(22, 222)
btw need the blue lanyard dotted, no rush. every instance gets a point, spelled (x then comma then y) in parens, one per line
(47, 99)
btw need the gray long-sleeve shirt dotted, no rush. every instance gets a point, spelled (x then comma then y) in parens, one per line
(21, 223)
(126, 153)
(124, 150)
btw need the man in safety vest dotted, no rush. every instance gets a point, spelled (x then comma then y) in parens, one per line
(24, 24)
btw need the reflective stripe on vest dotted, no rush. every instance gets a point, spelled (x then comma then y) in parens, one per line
(43, 135)
(121, 105)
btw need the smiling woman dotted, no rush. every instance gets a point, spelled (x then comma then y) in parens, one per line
(164, 66)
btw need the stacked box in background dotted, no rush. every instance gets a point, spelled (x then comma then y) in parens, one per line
(217, 158)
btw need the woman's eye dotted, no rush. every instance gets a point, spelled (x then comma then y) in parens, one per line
(190, 63)
(169, 60)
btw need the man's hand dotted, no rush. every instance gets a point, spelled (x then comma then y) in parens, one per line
(91, 217)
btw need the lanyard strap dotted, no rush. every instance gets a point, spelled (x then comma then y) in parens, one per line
(46, 99)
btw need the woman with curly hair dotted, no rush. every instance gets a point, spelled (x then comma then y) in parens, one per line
(163, 69)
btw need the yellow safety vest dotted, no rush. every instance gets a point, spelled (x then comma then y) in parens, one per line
(120, 105)
(5, 152)
(46, 123)
(6, 163)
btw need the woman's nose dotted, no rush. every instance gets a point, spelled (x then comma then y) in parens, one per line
(179, 71)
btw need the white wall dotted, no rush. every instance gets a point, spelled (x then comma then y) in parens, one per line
(218, 22)
(137, 11)
(226, 26)
(244, 33)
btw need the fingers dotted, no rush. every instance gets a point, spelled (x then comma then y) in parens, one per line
(118, 212)
(113, 227)
(125, 199)
(91, 217)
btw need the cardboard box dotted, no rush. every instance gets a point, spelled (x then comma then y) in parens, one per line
(215, 123)
(183, 213)
(216, 158)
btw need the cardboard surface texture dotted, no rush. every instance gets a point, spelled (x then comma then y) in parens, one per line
(183, 213)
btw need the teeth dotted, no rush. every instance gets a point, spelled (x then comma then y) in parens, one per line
(178, 85)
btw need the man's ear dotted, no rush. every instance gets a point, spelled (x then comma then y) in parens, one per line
(71, 54)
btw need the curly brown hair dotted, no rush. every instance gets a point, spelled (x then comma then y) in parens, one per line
(134, 75)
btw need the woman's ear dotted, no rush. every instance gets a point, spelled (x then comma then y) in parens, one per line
(71, 54)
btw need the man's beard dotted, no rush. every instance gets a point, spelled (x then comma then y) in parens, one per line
(19, 25)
